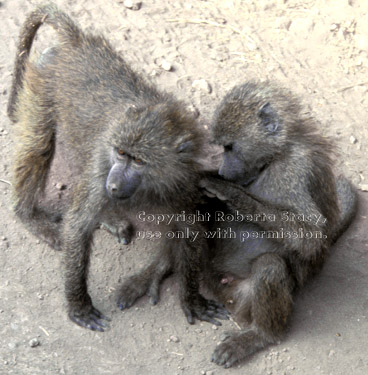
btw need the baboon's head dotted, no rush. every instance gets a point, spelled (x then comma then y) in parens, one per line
(252, 123)
(153, 153)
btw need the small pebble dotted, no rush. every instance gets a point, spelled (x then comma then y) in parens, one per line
(60, 186)
(174, 338)
(353, 140)
(34, 342)
(214, 327)
(362, 187)
(165, 65)
(12, 345)
(133, 5)
(331, 353)
(252, 46)
(202, 84)
(3, 238)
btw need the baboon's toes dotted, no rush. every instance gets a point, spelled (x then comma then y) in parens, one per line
(154, 293)
(225, 354)
(128, 294)
(91, 319)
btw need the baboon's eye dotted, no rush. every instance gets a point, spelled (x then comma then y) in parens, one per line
(139, 161)
(121, 152)
(228, 147)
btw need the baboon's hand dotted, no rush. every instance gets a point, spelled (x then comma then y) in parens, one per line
(233, 194)
(123, 232)
(89, 317)
(206, 310)
(214, 187)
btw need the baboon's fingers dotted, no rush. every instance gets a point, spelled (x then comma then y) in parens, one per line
(221, 315)
(213, 305)
(208, 194)
(216, 314)
(207, 318)
(99, 322)
(205, 310)
(124, 305)
(100, 315)
(217, 310)
(212, 188)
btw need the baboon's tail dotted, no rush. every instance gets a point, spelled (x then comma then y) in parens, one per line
(348, 202)
(60, 21)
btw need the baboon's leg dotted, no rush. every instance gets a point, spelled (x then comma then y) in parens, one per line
(266, 301)
(147, 281)
(34, 151)
(78, 228)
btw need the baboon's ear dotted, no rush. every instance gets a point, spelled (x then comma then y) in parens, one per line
(269, 118)
(185, 146)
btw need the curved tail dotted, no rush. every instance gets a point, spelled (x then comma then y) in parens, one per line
(348, 202)
(60, 21)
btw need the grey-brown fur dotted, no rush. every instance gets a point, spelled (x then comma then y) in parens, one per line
(275, 161)
(83, 94)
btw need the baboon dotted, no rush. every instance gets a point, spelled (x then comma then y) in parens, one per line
(287, 208)
(136, 148)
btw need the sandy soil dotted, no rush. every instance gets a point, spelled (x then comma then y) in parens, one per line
(317, 48)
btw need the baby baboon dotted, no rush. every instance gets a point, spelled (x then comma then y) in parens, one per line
(136, 147)
(285, 209)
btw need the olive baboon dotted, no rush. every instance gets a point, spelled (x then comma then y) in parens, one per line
(136, 147)
(288, 208)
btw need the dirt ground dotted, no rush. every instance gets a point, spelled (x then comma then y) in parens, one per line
(317, 48)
